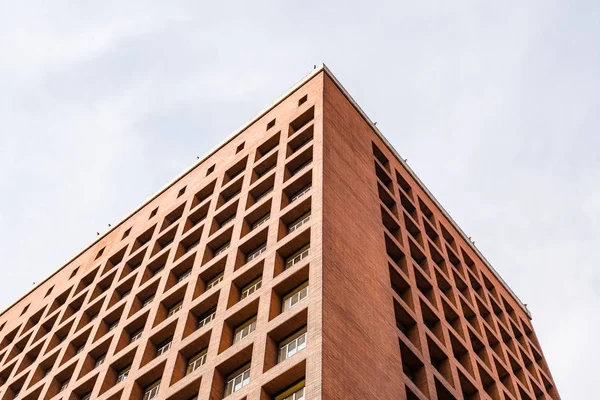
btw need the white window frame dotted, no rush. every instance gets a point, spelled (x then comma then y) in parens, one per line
(174, 309)
(301, 193)
(244, 330)
(209, 317)
(237, 380)
(298, 256)
(261, 221)
(295, 297)
(164, 348)
(297, 224)
(136, 335)
(292, 345)
(151, 392)
(222, 249)
(123, 374)
(196, 362)
(214, 281)
(251, 288)
(256, 253)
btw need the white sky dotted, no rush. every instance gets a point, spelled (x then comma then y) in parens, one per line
(496, 105)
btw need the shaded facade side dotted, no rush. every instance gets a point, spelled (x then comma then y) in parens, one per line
(410, 311)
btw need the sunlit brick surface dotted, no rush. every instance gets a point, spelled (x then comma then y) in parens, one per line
(304, 233)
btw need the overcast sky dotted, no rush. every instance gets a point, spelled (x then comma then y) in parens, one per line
(496, 105)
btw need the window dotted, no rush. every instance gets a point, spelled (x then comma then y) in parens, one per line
(295, 393)
(237, 380)
(192, 246)
(87, 396)
(136, 335)
(300, 193)
(260, 222)
(302, 168)
(123, 374)
(184, 275)
(163, 347)
(174, 309)
(196, 362)
(222, 249)
(151, 392)
(64, 385)
(113, 326)
(181, 192)
(206, 318)
(266, 171)
(297, 224)
(302, 100)
(47, 372)
(228, 221)
(263, 195)
(271, 124)
(214, 281)
(256, 253)
(251, 288)
(239, 148)
(210, 170)
(153, 213)
(148, 301)
(79, 350)
(99, 361)
(297, 256)
(292, 345)
(296, 296)
(244, 330)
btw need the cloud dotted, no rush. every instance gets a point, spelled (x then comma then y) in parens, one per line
(494, 105)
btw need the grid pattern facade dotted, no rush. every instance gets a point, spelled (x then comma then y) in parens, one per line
(457, 330)
(192, 301)
(300, 260)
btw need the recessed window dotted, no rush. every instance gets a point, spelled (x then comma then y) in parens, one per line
(46, 295)
(240, 148)
(127, 232)
(74, 272)
(297, 224)
(300, 193)
(214, 281)
(100, 361)
(174, 309)
(196, 362)
(153, 213)
(210, 170)
(222, 249)
(151, 392)
(251, 288)
(292, 345)
(295, 297)
(271, 124)
(148, 301)
(87, 396)
(242, 331)
(294, 393)
(181, 192)
(254, 254)
(297, 257)
(136, 336)
(123, 374)
(263, 220)
(206, 318)
(237, 380)
(100, 253)
(163, 347)
(63, 386)
(184, 275)
(302, 100)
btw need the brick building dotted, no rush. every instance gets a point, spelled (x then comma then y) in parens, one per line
(302, 259)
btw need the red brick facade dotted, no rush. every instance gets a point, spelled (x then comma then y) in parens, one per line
(302, 256)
